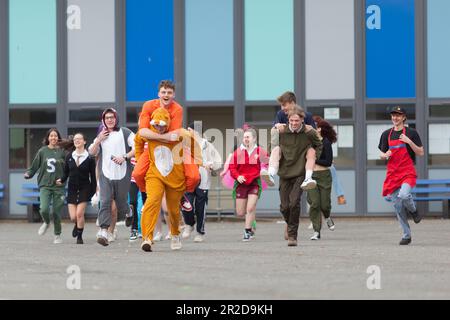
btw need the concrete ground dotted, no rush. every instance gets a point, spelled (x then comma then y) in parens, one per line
(223, 267)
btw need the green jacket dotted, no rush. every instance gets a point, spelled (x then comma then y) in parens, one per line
(294, 147)
(49, 163)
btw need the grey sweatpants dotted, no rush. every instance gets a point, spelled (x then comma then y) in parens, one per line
(113, 190)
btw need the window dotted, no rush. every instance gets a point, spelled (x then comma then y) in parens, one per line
(133, 114)
(85, 115)
(32, 116)
(261, 113)
(438, 144)
(332, 112)
(343, 149)
(440, 110)
(23, 146)
(382, 111)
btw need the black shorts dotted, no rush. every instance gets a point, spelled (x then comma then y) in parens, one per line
(79, 194)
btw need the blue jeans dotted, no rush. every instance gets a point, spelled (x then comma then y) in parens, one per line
(403, 202)
(337, 186)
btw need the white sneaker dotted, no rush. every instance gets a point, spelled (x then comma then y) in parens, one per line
(308, 184)
(102, 237)
(199, 237)
(175, 244)
(43, 228)
(158, 236)
(185, 204)
(57, 239)
(187, 231)
(110, 237)
(168, 236)
(310, 227)
(330, 224)
(268, 178)
(315, 236)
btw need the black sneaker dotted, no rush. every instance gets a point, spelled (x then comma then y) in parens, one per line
(247, 236)
(133, 235)
(416, 216)
(75, 231)
(404, 242)
(80, 241)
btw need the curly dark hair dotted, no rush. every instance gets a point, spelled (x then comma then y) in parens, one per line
(326, 129)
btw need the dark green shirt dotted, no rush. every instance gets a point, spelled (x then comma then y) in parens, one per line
(294, 147)
(49, 163)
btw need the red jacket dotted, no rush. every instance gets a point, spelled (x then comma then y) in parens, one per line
(240, 164)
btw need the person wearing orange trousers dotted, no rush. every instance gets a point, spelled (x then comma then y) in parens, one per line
(166, 95)
(165, 175)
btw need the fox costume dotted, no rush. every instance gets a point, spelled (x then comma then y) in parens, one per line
(166, 174)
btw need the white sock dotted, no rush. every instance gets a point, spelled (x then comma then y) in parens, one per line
(308, 174)
(273, 171)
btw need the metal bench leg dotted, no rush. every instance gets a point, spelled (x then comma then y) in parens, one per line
(445, 206)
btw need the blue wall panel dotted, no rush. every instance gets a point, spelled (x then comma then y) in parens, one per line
(390, 49)
(269, 48)
(438, 48)
(149, 45)
(209, 50)
(32, 52)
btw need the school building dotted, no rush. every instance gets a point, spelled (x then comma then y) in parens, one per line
(349, 61)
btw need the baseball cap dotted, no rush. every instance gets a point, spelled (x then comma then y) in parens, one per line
(398, 109)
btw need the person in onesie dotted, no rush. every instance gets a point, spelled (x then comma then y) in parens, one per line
(166, 96)
(165, 175)
(114, 147)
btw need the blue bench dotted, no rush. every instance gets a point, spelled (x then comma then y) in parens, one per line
(31, 195)
(31, 200)
(433, 190)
